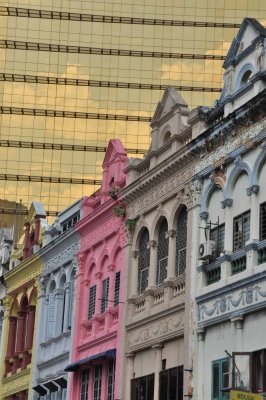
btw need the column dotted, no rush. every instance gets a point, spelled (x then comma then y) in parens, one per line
(238, 320)
(228, 239)
(21, 330)
(152, 245)
(171, 235)
(11, 337)
(134, 273)
(200, 366)
(30, 327)
(67, 303)
(158, 367)
(99, 292)
(129, 374)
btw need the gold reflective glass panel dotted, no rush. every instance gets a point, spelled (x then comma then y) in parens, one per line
(76, 73)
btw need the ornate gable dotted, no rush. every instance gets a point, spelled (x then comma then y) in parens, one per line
(249, 34)
(170, 101)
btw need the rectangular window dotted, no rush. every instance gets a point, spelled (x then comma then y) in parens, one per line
(241, 230)
(105, 294)
(111, 380)
(97, 387)
(142, 388)
(217, 234)
(263, 221)
(220, 379)
(84, 385)
(117, 288)
(92, 300)
(259, 371)
(171, 384)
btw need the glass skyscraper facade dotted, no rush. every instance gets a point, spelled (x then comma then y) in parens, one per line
(75, 73)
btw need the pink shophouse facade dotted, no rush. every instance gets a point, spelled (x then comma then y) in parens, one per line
(96, 351)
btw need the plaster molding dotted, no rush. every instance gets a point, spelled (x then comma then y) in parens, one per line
(61, 258)
(236, 301)
(152, 333)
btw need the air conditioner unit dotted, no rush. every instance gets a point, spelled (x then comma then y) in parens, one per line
(206, 249)
(228, 381)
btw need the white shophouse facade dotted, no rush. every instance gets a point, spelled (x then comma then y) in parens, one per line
(230, 283)
(55, 317)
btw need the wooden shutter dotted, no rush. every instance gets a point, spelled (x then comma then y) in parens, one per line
(51, 312)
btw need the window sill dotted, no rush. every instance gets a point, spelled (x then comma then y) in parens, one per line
(55, 339)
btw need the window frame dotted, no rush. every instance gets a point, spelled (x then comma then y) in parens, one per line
(97, 383)
(181, 239)
(220, 363)
(179, 383)
(111, 380)
(136, 381)
(105, 294)
(240, 243)
(162, 253)
(85, 373)
(143, 270)
(217, 238)
(117, 288)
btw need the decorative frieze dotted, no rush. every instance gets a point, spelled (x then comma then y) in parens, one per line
(160, 330)
(62, 258)
(240, 300)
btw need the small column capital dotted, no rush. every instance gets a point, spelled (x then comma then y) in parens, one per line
(170, 234)
(152, 244)
(238, 320)
(227, 203)
(201, 334)
(135, 254)
(204, 215)
(254, 189)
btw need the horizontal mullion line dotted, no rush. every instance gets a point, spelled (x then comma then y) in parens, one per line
(59, 15)
(95, 83)
(16, 211)
(48, 179)
(38, 112)
(61, 48)
(61, 146)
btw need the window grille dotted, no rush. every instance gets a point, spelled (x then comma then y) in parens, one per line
(217, 234)
(181, 243)
(111, 380)
(92, 300)
(263, 221)
(105, 294)
(162, 253)
(241, 230)
(97, 387)
(84, 385)
(144, 262)
(117, 288)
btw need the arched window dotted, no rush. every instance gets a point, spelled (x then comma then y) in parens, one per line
(162, 253)
(246, 77)
(181, 243)
(51, 311)
(144, 261)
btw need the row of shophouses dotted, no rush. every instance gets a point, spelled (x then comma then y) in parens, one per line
(154, 287)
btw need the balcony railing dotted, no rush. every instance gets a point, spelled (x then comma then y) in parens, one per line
(213, 275)
(164, 295)
(239, 265)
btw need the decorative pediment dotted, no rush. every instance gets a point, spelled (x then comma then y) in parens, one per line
(171, 99)
(36, 210)
(249, 33)
(114, 150)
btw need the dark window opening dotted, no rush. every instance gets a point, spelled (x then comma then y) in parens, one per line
(162, 254)
(241, 231)
(143, 262)
(263, 221)
(181, 243)
(92, 301)
(105, 294)
(142, 388)
(217, 234)
(117, 289)
(220, 379)
(171, 384)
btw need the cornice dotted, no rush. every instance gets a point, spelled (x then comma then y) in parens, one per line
(26, 271)
(64, 356)
(96, 342)
(156, 175)
(16, 383)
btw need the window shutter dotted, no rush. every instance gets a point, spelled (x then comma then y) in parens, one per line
(117, 288)
(71, 303)
(51, 311)
(144, 262)
(105, 294)
(162, 254)
(92, 299)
